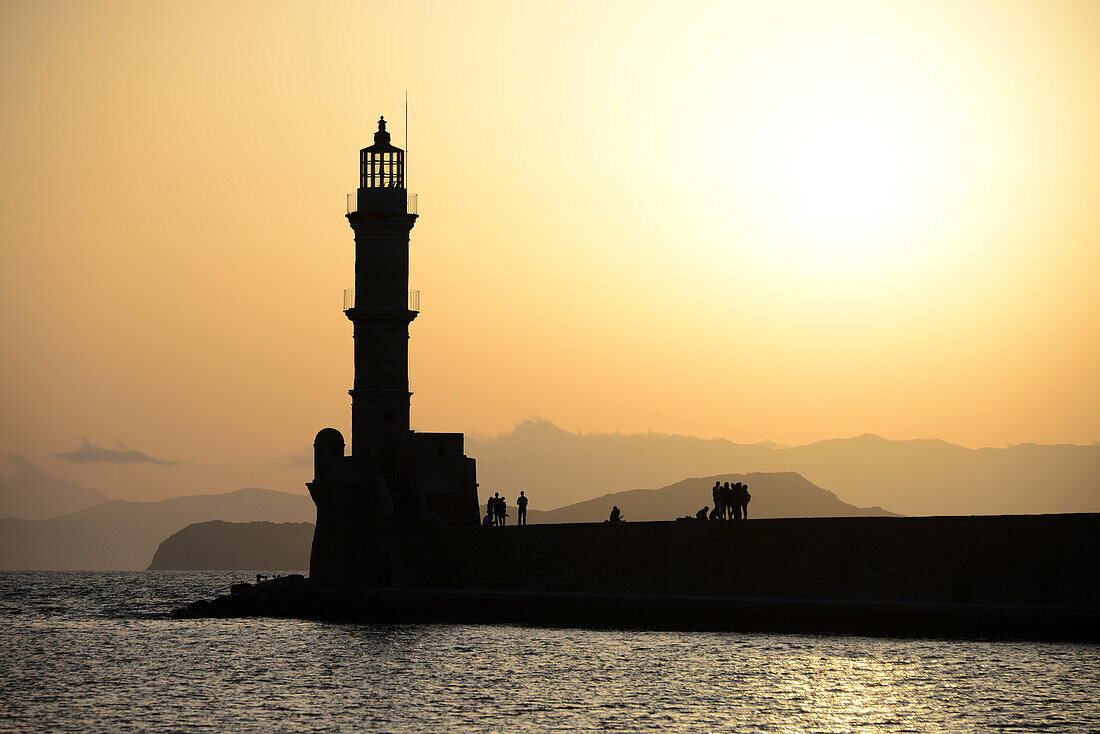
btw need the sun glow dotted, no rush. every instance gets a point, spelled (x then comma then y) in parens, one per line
(841, 173)
(836, 152)
(842, 186)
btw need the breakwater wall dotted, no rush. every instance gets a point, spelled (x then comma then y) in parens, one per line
(1004, 560)
(1016, 577)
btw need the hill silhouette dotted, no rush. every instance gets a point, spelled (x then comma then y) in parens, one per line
(780, 494)
(122, 535)
(227, 546)
(913, 477)
(29, 492)
(774, 494)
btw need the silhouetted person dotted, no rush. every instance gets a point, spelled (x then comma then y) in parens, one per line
(616, 516)
(716, 495)
(503, 505)
(715, 515)
(702, 514)
(521, 506)
(488, 520)
(727, 501)
(740, 501)
(495, 501)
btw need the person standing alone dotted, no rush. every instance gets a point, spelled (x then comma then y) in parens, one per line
(521, 505)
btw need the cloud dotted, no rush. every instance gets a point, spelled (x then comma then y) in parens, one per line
(304, 459)
(89, 453)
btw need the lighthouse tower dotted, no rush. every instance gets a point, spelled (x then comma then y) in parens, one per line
(381, 307)
(375, 505)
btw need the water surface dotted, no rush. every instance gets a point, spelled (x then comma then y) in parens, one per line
(84, 651)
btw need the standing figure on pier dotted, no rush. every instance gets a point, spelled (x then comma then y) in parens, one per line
(521, 505)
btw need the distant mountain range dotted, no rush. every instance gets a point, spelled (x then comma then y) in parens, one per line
(918, 477)
(229, 546)
(124, 535)
(560, 469)
(29, 492)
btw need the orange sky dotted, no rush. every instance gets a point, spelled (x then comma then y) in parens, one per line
(785, 220)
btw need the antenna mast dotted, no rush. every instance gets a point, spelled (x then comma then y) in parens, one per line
(406, 138)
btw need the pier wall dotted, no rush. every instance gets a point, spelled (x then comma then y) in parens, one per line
(1024, 559)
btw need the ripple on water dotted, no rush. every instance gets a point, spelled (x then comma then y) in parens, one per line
(86, 652)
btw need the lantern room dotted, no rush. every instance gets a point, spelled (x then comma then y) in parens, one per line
(382, 165)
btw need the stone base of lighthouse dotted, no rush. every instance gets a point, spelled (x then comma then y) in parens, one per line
(370, 533)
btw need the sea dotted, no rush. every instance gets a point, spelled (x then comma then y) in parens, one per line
(98, 652)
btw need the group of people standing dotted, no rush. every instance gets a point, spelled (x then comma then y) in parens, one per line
(496, 510)
(730, 503)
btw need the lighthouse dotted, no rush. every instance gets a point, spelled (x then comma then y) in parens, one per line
(394, 480)
(381, 307)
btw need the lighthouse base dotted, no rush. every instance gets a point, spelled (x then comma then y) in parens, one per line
(368, 519)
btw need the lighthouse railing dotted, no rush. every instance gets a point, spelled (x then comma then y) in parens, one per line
(410, 203)
(349, 299)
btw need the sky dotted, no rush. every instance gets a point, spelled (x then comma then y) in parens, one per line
(755, 220)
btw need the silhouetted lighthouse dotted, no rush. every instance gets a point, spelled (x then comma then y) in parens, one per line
(381, 307)
(395, 477)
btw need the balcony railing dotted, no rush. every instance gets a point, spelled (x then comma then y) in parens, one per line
(410, 203)
(349, 300)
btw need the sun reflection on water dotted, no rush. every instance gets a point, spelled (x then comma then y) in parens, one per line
(77, 661)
